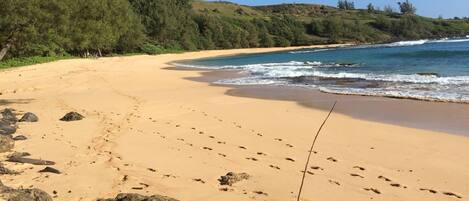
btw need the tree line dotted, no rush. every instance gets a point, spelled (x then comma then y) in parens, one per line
(90, 27)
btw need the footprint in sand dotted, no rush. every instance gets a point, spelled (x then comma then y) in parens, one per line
(242, 147)
(261, 154)
(452, 194)
(360, 168)
(384, 178)
(275, 167)
(316, 168)
(278, 139)
(374, 190)
(199, 180)
(260, 193)
(334, 182)
(332, 159)
(429, 190)
(220, 142)
(290, 159)
(207, 148)
(222, 154)
(252, 158)
(356, 175)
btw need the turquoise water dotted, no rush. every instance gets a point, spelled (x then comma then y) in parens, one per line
(424, 69)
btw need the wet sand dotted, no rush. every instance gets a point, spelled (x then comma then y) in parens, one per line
(438, 116)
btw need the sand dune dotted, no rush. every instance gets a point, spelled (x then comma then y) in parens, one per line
(150, 130)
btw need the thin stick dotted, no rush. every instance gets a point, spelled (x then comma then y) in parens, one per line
(311, 150)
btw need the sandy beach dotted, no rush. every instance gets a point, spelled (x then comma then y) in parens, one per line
(153, 130)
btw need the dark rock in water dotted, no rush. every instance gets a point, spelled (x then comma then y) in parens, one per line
(9, 116)
(429, 74)
(30, 161)
(6, 128)
(51, 170)
(72, 116)
(19, 138)
(230, 178)
(4, 170)
(29, 117)
(34, 194)
(138, 197)
(6, 143)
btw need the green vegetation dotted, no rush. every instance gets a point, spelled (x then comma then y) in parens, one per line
(14, 62)
(54, 28)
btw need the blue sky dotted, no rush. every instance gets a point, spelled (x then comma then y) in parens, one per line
(430, 8)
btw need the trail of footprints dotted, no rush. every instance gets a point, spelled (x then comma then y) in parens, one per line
(312, 170)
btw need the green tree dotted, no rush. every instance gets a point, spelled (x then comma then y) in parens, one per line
(31, 27)
(407, 7)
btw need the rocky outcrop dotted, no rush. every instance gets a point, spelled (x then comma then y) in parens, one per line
(29, 117)
(138, 197)
(72, 116)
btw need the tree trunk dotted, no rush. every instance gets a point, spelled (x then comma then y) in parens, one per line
(4, 50)
(99, 53)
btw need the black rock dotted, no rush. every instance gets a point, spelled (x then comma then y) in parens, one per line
(138, 197)
(20, 137)
(72, 116)
(6, 143)
(8, 116)
(29, 117)
(51, 170)
(6, 128)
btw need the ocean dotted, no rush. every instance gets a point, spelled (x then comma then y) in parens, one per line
(436, 70)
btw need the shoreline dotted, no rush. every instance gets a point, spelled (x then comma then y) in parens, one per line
(449, 117)
(151, 130)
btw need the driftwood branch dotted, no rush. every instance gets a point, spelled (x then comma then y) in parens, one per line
(311, 150)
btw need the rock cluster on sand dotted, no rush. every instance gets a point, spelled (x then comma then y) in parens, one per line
(12, 194)
(29, 117)
(138, 197)
(72, 116)
(230, 178)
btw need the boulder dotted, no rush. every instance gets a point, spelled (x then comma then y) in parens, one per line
(230, 178)
(138, 197)
(6, 143)
(72, 116)
(9, 116)
(6, 128)
(29, 117)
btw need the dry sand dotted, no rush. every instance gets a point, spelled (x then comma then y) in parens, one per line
(151, 128)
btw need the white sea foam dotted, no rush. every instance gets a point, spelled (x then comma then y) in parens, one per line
(407, 43)
(308, 51)
(451, 96)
